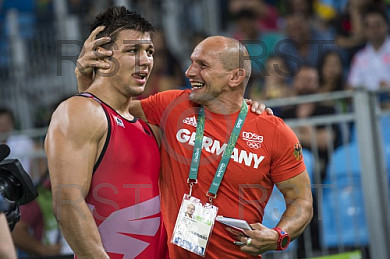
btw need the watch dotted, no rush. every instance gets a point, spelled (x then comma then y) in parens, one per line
(283, 240)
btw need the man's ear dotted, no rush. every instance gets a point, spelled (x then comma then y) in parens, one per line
(237, 77)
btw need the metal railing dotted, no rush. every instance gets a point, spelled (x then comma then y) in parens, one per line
(364, 150)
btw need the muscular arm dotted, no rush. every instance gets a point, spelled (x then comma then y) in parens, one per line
(299, 204)
(298, 214)
(72, 144)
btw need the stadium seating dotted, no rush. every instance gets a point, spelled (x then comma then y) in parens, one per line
(343, 214)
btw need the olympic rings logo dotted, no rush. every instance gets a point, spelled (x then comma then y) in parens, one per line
(253, 144)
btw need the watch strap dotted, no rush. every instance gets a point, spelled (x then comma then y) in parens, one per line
(283, 240)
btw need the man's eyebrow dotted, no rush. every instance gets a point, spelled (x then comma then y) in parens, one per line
(127, 46)
(201, 61)
(130, 45)
(137, 42)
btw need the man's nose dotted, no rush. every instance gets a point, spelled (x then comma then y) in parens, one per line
(191, 71)
(144, 59)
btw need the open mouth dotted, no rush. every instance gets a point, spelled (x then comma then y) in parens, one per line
(197, 85)
(140, 75)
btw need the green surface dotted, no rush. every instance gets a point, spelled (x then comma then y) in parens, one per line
(349, 255)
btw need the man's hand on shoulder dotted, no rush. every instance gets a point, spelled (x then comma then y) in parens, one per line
(258, 108)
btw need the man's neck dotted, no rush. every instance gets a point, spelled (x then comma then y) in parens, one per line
(111, 96)
(225, 106)
(377, 45)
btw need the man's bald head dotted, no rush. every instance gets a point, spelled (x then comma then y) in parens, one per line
(232, 53)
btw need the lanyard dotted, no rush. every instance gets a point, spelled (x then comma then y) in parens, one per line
(193, 174)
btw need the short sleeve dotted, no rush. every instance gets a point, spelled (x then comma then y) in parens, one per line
(154, 106)
(287, 159)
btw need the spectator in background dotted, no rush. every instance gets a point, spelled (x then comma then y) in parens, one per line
(331, 75)
(260, 44)
(275, 83)
(331, 72)
(370, 67)
(300, 7)
(247, 29)
(37, 232)
(304, 83)
(311, 11)
(267, 15)
(167, 73)
(349, 28)
(306, 46)
(21, 146)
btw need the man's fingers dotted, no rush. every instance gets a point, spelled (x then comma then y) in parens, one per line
(246, 240)
(269, 111)
(255, 106)
(96, 54)
(95, 32)
(94, 63)
(249, 248)
(100, 54)
(256, 226)
(261, 108)
(101, 64)
(101, 41)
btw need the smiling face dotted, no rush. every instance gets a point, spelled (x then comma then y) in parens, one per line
(132, 62)
(213, 64)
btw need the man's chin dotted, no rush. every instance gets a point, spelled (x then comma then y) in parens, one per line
(136, 91)
(201, 99)
(194, 98)
(198, 99)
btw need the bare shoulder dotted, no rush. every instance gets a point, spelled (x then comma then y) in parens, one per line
(79, 116)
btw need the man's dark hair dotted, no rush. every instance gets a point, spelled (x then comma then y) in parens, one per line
(244, 14)
(117, 18)
(373, 9)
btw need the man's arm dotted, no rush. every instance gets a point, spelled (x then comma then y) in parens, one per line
(299, 212)
(76, 131)
(7, 249)
(299, 204)
(25, 241)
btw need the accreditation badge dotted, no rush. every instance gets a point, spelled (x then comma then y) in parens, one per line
(194, 225)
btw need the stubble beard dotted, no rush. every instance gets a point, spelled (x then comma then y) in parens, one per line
(204, 98)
